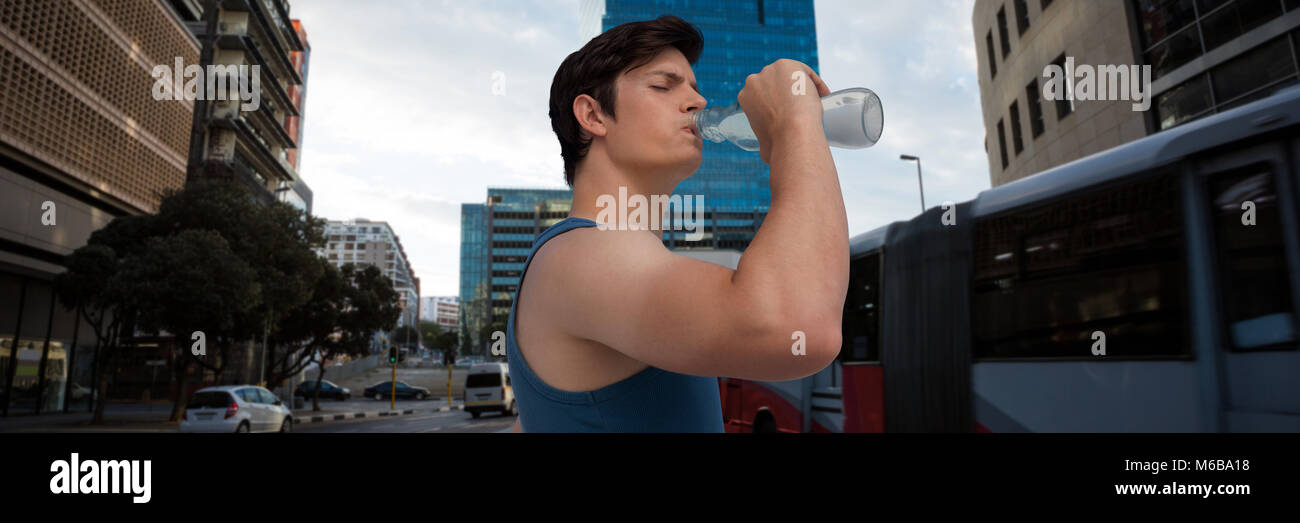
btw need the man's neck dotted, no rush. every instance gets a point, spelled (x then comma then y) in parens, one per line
(598, 177)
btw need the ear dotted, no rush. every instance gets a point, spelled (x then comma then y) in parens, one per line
(589, 115)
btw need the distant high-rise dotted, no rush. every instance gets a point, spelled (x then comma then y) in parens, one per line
(250, 146)
(740, 38)
(367, 242)
(441, 310)
(495, 238)
(299, 194)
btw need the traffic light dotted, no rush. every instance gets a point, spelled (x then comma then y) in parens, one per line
(448, 357)
(392, 355)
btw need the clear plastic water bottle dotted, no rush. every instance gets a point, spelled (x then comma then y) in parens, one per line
(852, 119)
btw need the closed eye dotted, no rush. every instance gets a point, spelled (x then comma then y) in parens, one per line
(659, 88)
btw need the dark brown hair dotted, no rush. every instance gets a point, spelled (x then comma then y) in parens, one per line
(594, 69)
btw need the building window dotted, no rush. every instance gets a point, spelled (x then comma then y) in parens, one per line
(1002, 32)
(1234, 19)
(1259, 68)
(1035, 107)
(1190, 99)
(1173, 52)
(993, 63)
(1162, 18)
(1022, 16)
(1002, 143)
(1065, 98)
(1017, 140)
(1170, 36)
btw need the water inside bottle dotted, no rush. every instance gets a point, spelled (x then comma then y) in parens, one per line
(851, 119)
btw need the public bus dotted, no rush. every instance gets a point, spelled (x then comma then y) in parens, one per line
(1150, 287)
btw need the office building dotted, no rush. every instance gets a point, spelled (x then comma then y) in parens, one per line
(298, 194)
(244, 140)
(82, 141)
(495, 238)
(441, 310)
(366, 242)
(1204, 56)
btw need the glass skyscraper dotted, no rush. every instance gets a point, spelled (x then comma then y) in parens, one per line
(495, 238)
(740, 38)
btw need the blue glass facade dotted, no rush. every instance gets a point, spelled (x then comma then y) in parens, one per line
(495, 238)
(740, 38)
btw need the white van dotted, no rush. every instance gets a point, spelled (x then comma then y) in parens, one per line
(487, 387)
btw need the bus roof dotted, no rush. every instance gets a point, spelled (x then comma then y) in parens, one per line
(1276, 111)
(868, 241)
(1279, 110)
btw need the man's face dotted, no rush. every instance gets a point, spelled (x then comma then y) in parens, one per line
(654, 103)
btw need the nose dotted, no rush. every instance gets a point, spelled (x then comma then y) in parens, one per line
(696, 102)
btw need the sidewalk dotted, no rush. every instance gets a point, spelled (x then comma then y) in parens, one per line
(118, 417)
(152, 417)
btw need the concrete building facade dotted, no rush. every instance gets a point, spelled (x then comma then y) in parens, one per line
(82, 141)
(1204, 56)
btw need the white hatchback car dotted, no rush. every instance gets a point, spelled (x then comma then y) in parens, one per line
(236, 408)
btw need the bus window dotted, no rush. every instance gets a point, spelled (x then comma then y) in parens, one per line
(1049, 278)
(1258, 308)
(861, 332)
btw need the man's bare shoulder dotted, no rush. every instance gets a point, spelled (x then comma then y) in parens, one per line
(588, 255)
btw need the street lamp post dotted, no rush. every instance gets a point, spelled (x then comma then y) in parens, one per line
(908, 158)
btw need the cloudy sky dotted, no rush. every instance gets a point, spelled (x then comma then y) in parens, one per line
(402, 123)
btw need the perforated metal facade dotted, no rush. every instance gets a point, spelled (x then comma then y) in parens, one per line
(76, 93)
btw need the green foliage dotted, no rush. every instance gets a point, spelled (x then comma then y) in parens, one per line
(213, 259)
(190, 281)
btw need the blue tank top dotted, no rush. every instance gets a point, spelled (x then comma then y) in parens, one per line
(653, 400)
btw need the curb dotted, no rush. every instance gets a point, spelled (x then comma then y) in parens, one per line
(320, 418)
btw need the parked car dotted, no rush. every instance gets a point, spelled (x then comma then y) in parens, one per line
(236, 408)
(487, 388)
(328, 389)
(383, 390)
